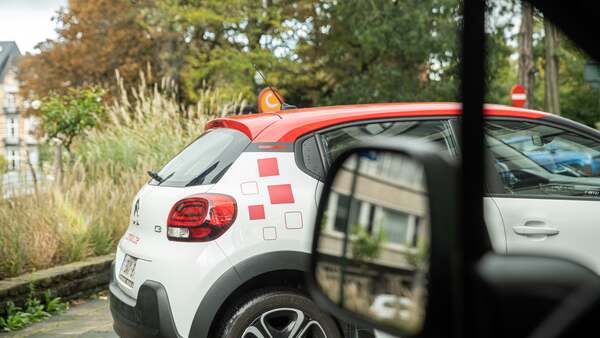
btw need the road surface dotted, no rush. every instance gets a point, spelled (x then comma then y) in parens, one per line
(90, 319)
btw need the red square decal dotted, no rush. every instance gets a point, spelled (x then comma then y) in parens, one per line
(256, 212)
(281, 194)
(268, 167)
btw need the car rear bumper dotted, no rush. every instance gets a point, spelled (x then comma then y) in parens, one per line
(147, 316)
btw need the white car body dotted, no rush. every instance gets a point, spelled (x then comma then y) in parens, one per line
(284, 231)
(186, 279)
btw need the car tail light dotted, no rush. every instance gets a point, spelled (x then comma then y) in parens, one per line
(201, 218)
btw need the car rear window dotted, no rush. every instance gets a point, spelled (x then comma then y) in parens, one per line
(205, 160)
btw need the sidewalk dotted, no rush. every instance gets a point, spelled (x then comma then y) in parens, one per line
(89, 320)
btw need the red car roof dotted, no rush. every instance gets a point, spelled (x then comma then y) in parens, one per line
(288, 125)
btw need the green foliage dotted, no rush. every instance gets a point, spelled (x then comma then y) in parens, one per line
(146, 133)
(316, 51)
(46, 153)
(102, 239)
(578, 99)
(366, 246)
(34, 311)
(3, 165)
(324, 220)
(64, 117)
(15, 318)
(214, 43)
(381, 51)
(501, 70)
(12, 250)
(54, 305)
(87, 214)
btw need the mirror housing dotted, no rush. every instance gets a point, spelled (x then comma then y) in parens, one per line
(443, 257)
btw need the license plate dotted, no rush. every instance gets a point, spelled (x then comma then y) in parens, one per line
(127, 273)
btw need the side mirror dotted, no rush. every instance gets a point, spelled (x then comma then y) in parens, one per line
(385, 229)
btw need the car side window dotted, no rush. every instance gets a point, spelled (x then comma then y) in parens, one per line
(436, 131)
(541, 160)
(311, 157)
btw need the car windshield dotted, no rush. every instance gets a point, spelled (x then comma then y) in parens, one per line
(205, 160)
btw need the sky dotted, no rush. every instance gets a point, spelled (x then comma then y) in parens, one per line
(28, 22)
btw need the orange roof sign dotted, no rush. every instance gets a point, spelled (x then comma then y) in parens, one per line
(269, 100)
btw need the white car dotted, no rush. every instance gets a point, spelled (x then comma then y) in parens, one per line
(389, 307)
(218, 239)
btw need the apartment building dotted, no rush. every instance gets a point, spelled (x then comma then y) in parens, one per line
(18, 144)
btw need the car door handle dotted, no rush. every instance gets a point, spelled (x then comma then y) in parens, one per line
(535, 230)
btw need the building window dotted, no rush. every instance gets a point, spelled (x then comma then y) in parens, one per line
(399, 227)
(12, 127)
(12, 158)
(344, 206)
(11, 101)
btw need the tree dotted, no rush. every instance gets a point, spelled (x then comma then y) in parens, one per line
(578, 99)
(501, 71)
(551, 92)
(526, 58)
(317, 51)
(95, 39)
(217, 43)
(377, 51)
(66, 116)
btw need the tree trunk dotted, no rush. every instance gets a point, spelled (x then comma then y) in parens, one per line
(32, 170)
(526, 64)
(551, 93)
(58, 165)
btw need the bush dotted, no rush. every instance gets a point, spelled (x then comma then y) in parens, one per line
(34, 311)
(89, 211)
(65, 117)
(3, 165)
(366, 246)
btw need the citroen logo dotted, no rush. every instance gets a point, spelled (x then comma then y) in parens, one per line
(136, 213)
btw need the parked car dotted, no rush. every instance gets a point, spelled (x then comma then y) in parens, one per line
(420, 292)
(219, 238)
(559, 156)
(390, 306)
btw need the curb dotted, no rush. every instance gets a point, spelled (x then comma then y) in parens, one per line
(69, 281)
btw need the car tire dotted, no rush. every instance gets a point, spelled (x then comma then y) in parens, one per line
(278, 313)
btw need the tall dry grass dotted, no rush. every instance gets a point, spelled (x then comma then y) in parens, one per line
(88, 212)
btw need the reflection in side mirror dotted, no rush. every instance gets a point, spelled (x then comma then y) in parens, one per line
(373, 249)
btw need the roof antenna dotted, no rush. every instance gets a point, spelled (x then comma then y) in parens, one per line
(284, 105)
